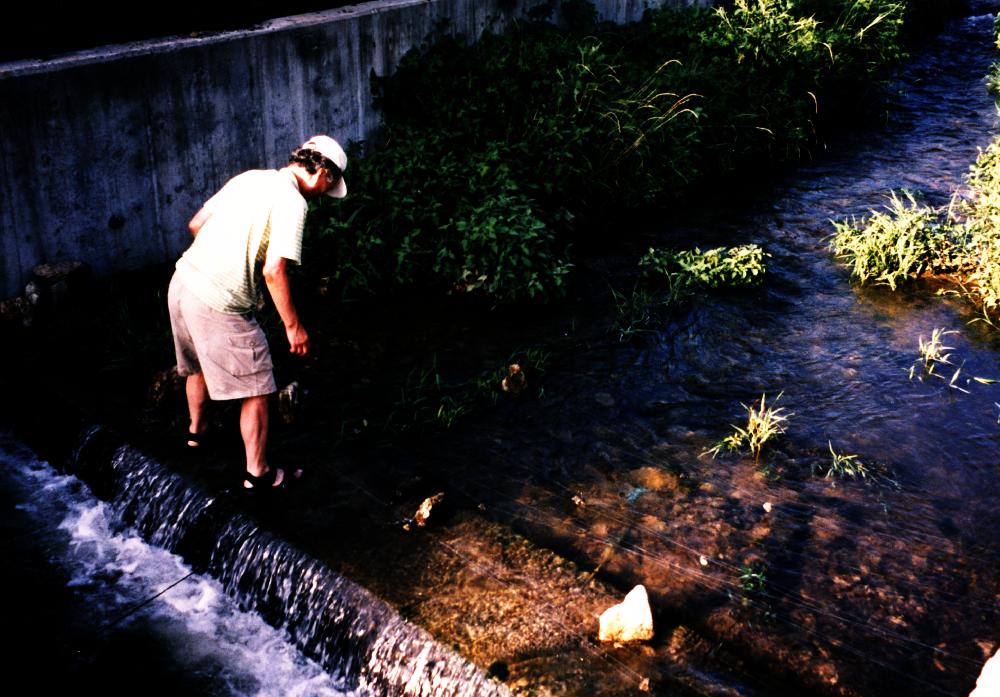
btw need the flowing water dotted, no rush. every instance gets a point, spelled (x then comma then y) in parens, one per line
(792, 582)
(871, 586)
(92, 606)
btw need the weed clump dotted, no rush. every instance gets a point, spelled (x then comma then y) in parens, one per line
(961, 240)
(763, 424)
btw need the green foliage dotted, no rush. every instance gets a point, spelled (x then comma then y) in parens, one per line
(690, 270)
(982, 227)
(889, 247)
(637, 312)
(427, 399)
(911, 239)
(845, 466)
(763, 424)
(496, 156)
(418, 217)
(753, 578)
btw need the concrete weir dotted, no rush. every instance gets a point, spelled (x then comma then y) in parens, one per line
(345, 628)
(106, 153)
(465, 607)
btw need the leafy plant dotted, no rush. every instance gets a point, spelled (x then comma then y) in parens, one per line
(845, 466)
(495, 156)
(889, 247)
(636, 312)
(690, 270)
(933, 352)
(753, 578)
(763, 424)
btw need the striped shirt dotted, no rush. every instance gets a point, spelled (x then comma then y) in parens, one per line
(254, 212)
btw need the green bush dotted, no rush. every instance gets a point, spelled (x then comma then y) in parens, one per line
(889, 247)
(982, 227)
(910, 239)
(690, 270)
(496, 156)
(418, 216)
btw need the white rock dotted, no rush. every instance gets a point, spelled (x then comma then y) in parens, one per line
(988, 684)
(768, 506)
(631, 620)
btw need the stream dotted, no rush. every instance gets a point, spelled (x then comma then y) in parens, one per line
(868, 586)
(773, 576)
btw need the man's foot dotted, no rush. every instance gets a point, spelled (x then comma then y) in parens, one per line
(197, 440)
(274, 478)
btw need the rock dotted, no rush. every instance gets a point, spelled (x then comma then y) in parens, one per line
(288, 402)
(424, 512)
(55, 284)
(604, 399)
(17, 310)
(33, 293)
(515, 381)
(631, 620)
(768, 506)
(988, 684)
(655, 479)
(165, 385)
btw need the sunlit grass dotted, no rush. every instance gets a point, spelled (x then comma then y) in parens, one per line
(934, 354)
(763, 424)
(845, 466)
(892, 245)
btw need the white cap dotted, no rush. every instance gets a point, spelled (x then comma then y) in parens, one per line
(330, 149)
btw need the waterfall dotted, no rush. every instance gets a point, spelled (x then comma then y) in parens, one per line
(342, 626)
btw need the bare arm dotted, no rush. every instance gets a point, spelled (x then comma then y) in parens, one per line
(198, 220)
(276, 277)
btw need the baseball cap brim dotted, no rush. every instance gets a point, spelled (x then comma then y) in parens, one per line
(339, 191)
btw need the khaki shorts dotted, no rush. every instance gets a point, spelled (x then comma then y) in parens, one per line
(230, 350)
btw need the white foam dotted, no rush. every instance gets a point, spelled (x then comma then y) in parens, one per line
(118, 572)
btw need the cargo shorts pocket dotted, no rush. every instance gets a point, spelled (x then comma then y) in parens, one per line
(247, 353)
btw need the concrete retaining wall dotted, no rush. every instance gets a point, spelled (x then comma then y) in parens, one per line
(106, 154)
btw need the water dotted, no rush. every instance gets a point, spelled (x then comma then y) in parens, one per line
(92, 605)
(790, 582)
(872, 586)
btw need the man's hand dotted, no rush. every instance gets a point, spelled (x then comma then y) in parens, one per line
(298, 339)
(276, 277)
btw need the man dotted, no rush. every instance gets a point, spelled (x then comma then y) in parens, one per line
(251, 228)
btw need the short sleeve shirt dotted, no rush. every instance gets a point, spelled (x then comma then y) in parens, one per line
(254, 212)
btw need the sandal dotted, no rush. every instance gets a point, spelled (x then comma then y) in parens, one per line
(198, 439)
(191, 442)
(264, 482)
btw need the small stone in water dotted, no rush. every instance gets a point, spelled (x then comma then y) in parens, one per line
(579, 500)
(767, 506)
(514, 382)
(604, 399)
(424, 512)
(288, 402)
(703, 560)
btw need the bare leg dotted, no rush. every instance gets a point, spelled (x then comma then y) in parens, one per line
(253, 428)
(197, 397)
